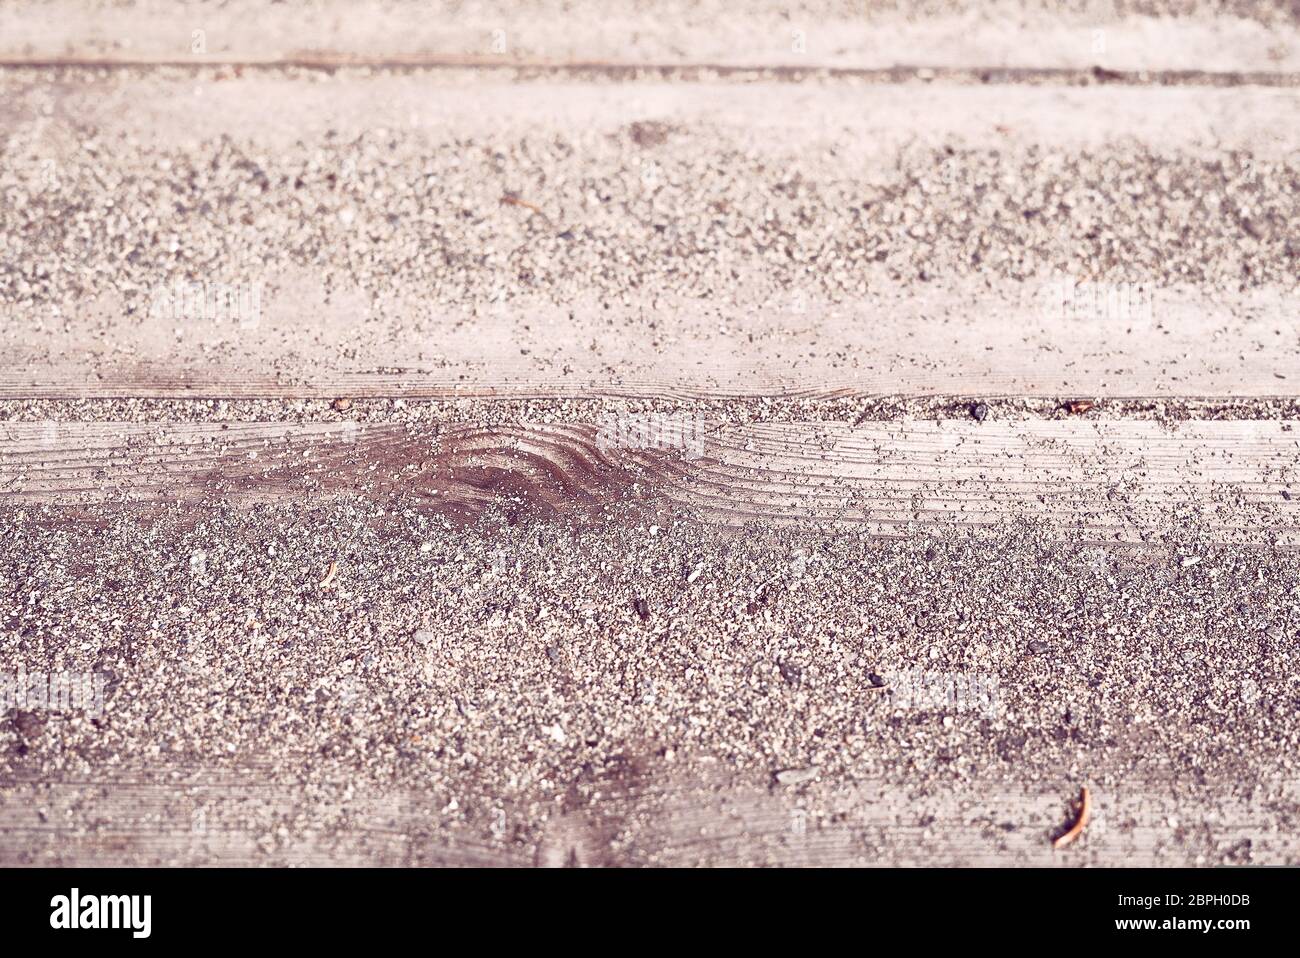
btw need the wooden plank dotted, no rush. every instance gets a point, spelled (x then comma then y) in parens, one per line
(815, 35)
(1129, 481)
(230, 817)
(810, 275)
(962, 343)
(796, 123)
(263, 714)
(233, 819)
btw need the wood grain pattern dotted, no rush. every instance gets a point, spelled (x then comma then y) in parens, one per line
(1111, 481)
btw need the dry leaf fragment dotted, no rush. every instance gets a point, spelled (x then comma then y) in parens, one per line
(1085, 812)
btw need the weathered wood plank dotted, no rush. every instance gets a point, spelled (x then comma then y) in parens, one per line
(1107, 480)
(241, 820)
(297, 686)
(961, 344)
(817, 34)
(786, 121)
(849, 246)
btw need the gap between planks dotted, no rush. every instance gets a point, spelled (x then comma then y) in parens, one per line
(627, 70)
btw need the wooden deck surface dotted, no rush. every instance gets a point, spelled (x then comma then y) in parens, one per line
(480, 233)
